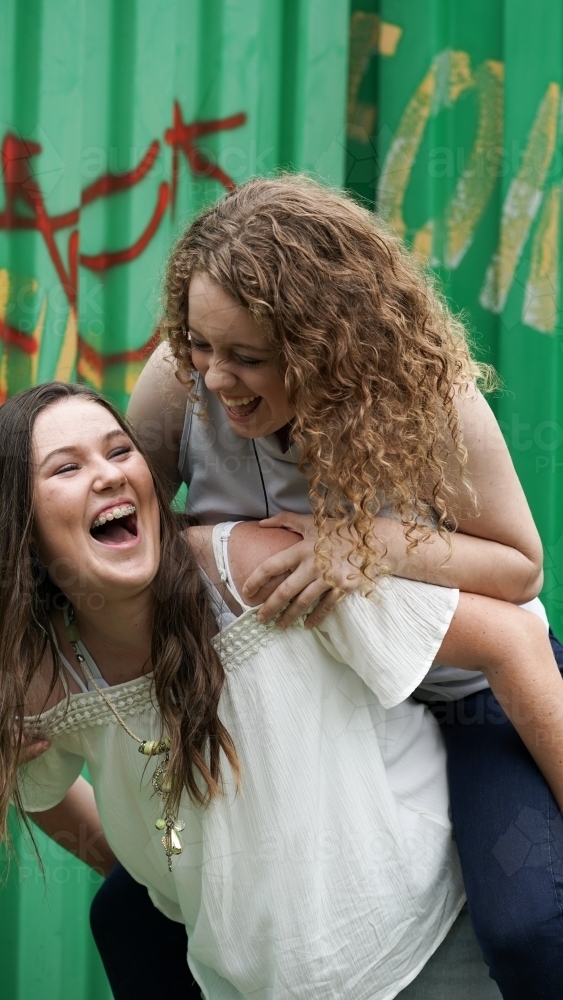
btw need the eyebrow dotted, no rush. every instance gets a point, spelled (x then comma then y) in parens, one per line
(72, 447)
(246, 347)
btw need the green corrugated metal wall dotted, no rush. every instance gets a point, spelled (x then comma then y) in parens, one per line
(119, 119)
(454, 131)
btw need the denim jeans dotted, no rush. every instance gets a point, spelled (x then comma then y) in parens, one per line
(509, 834)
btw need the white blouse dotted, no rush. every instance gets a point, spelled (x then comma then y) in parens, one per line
(332, 872)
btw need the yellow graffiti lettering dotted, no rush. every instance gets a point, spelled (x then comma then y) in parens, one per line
(422, 241)
(522, 202)
(132, 372)
(3, 377)
(4, 291)
(448, 77)
(67, 356)
(542, 286)
(476, 184)
(38, 336)
(368, 35)
(399, 161)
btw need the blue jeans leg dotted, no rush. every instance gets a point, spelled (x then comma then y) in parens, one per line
(509, 833)
(143, 952)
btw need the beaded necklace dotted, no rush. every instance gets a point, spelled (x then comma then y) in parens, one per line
(150, 748)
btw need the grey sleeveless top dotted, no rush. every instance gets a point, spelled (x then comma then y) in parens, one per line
(231, 478)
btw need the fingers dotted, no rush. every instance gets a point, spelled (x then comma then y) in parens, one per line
(323, 608)
(277, 565)
(300, 523)
(32, 751)
(300, 591)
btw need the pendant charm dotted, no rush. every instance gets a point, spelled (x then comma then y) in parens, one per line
(160, 780)
(153, 748)
(179, 824)
(171, 843)
(72, 633)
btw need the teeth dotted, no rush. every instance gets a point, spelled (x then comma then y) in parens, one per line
(239, 400)
(113, 514)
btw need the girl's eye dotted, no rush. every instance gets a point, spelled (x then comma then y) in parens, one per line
(198, 345)
(125, 449)
(249, 362)
(66, 468)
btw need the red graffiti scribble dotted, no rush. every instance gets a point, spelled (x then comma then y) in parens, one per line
(110, 183)
(25, 209)
(20, 184)
(182, 137)
(9, 335)
(103, 261)
(99, 362)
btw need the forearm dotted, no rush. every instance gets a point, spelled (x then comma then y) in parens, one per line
(75, 824)
(472, 564)
(511, 647)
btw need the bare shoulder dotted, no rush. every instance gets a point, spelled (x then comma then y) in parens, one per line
(41, 695)
(477, 417)
(158, 390)
(156, 412)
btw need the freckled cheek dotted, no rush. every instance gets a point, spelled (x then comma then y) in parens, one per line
(56, 541)
(57, 528)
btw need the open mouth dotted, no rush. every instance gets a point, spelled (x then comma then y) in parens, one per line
(241, 407)
(115, 525)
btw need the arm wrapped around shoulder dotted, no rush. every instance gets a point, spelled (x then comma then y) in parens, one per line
(391, 637)
(44, 782)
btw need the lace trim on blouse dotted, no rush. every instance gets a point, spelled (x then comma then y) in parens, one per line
(233, 644)
(88, 709)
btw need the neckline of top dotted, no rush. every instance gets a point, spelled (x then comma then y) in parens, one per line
(74, 697)
(146, 679)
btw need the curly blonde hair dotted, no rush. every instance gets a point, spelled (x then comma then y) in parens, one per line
(368, 348)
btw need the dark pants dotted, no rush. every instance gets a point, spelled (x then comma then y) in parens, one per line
(510, 838)
(144, 953)
(509, 833)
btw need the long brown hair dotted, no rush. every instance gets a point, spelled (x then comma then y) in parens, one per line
(370, 353)
(188, 675)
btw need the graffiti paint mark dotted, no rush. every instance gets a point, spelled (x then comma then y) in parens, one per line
(25, 209)
(182, 138)
(522, 202)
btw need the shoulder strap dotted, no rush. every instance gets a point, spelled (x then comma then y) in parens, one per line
(92, 665)
(220, 542)
(186, 430)
(79, 680)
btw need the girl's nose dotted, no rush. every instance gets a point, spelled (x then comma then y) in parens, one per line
(111, 475)
(218, 379)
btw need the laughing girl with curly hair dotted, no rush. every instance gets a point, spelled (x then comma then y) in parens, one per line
(313, 372)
